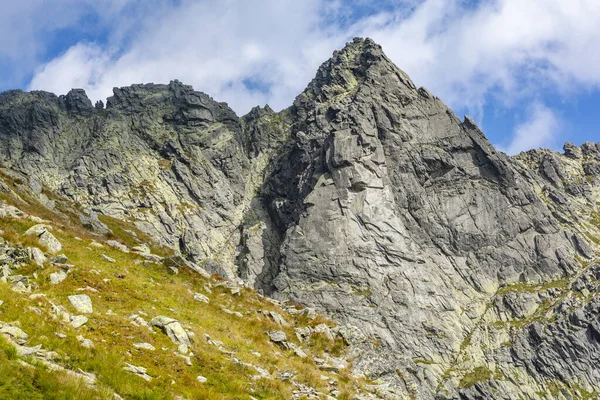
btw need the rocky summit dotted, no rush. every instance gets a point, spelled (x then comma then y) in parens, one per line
(446, 269)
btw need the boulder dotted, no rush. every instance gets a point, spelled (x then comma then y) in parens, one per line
(50, 242)
(278, 337)
(58, 277)
(118, 245)
(77, 321)
(82, 303)
(145, 346)
(37, 256)
(173, 329)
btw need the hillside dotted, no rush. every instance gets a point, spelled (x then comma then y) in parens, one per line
(155, 328)
(445, 268)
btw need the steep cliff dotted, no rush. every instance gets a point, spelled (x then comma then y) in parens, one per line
(454, 270)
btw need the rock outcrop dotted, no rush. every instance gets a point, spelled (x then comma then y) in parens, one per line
(170, 159)
(454, 270)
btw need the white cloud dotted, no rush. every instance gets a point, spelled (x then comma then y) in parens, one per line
(26, 28)
(215, 47)
(541, 129)
(509, 49)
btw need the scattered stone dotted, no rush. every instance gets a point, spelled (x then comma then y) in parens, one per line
(188, 360)
(153, 258)
(13, 331)
(183, 348)
(82, 303)
(277, 318)
(50, 242)
(304, 392)
(8, 211)
(198, 269)
(297, 350)
(87, 289)
(25, 351)
(145, 346)
(231, 285)
(201, 297)
(107, 258)
(20, 287)
(286, 375)
(37, 256)
(174, 261)
(57, 277)
(93, 243)
(172, 270)
(262, 373)
(118, 245)
(139, 321)
(59, 259)
(87, 343)
(35, 310)
(37, 230)
(236, 313)
(325, 330)
(142, 248)
(78, 321)
(329, 363)
(278, 337)
(201, 379)
(139, 371)
(173, 329)
(303, 334)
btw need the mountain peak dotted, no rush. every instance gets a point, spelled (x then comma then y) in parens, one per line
(360, 60)
(77, 101)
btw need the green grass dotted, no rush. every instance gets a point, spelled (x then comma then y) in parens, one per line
(35, 382)
(521, 287)
(423, 361)
(121, 231)
(595, 218)
(129, 287)
(479, 374)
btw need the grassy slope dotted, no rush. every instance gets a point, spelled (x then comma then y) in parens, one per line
(130, 287)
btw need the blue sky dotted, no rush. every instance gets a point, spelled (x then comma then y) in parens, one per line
(526, 71)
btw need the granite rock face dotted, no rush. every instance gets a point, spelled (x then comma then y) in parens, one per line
(171, 159)
(453, 270)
